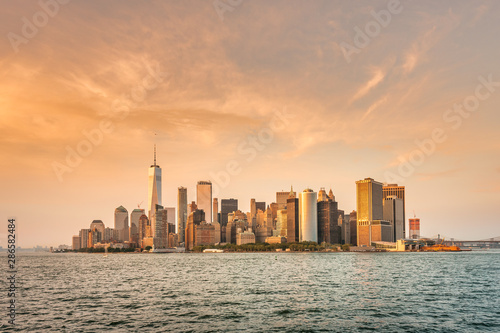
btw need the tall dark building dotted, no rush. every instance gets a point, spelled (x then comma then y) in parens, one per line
(292, 219)
(260, 205)
(227, 206)
(354, 228)
(329, 230)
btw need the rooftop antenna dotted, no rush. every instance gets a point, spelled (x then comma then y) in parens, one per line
(155, 154)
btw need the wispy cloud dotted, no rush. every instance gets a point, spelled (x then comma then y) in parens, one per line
(377, 77)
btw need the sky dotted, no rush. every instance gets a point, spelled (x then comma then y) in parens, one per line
(256, 96)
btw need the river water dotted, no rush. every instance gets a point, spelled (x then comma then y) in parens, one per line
(257, 292)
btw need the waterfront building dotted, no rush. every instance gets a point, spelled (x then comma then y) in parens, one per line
(346, 230)
(354, 228)
(76, 243)
(308, 216)
(181, 212)
(111, 235)
(173, 240)
(207, 233)
(194, 219)
(369, 206)
(204, 198)
(328, 229)
(398, 191)
(394, 212)
(215, 210)
(275, 240)
(227, 206)
(98, 225)
(247, 237)
(281, 223)
(261, 233)
(414, 228)
(134, 224)
(144, 229)
(292, 218)
(154, 186)
(156, 221)
(121, 223)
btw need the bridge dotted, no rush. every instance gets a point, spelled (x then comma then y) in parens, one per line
(493, 242)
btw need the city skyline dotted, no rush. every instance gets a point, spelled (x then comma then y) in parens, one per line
(253, 115)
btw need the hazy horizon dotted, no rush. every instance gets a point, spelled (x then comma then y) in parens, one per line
(202, 84)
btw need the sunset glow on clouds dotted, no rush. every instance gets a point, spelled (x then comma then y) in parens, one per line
(222, 82)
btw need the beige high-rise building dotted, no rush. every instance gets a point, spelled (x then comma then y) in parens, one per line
(282, 197)
(134, 224)
(76, 243)
(204, 198)
(121, 223)
(308, 216)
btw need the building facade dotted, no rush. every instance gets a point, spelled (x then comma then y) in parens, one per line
(154, 186)
(394, 212)
(121, 224)
(204, 198)
(398, 191)
(227, 206)
(181, 212)
(308, 216)
(414, 228)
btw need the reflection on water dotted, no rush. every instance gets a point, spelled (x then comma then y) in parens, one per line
(343, 292)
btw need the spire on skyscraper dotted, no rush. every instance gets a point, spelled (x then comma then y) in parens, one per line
(155, 156)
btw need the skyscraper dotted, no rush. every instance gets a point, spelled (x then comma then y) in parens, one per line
(282, 197)
(194, 218)
(154, 186)
(370, 223)
(260, 205)
(121, 223)
(308, 216)
(204, 198)
(322, 195)
(215, 210)
(354, 228)
(227, 206)
(134, 224)
(292, 218)
(393, 212)
(399, 191)
(329, 230)
(181, 212)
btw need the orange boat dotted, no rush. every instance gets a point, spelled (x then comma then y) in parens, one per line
(441, 248)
